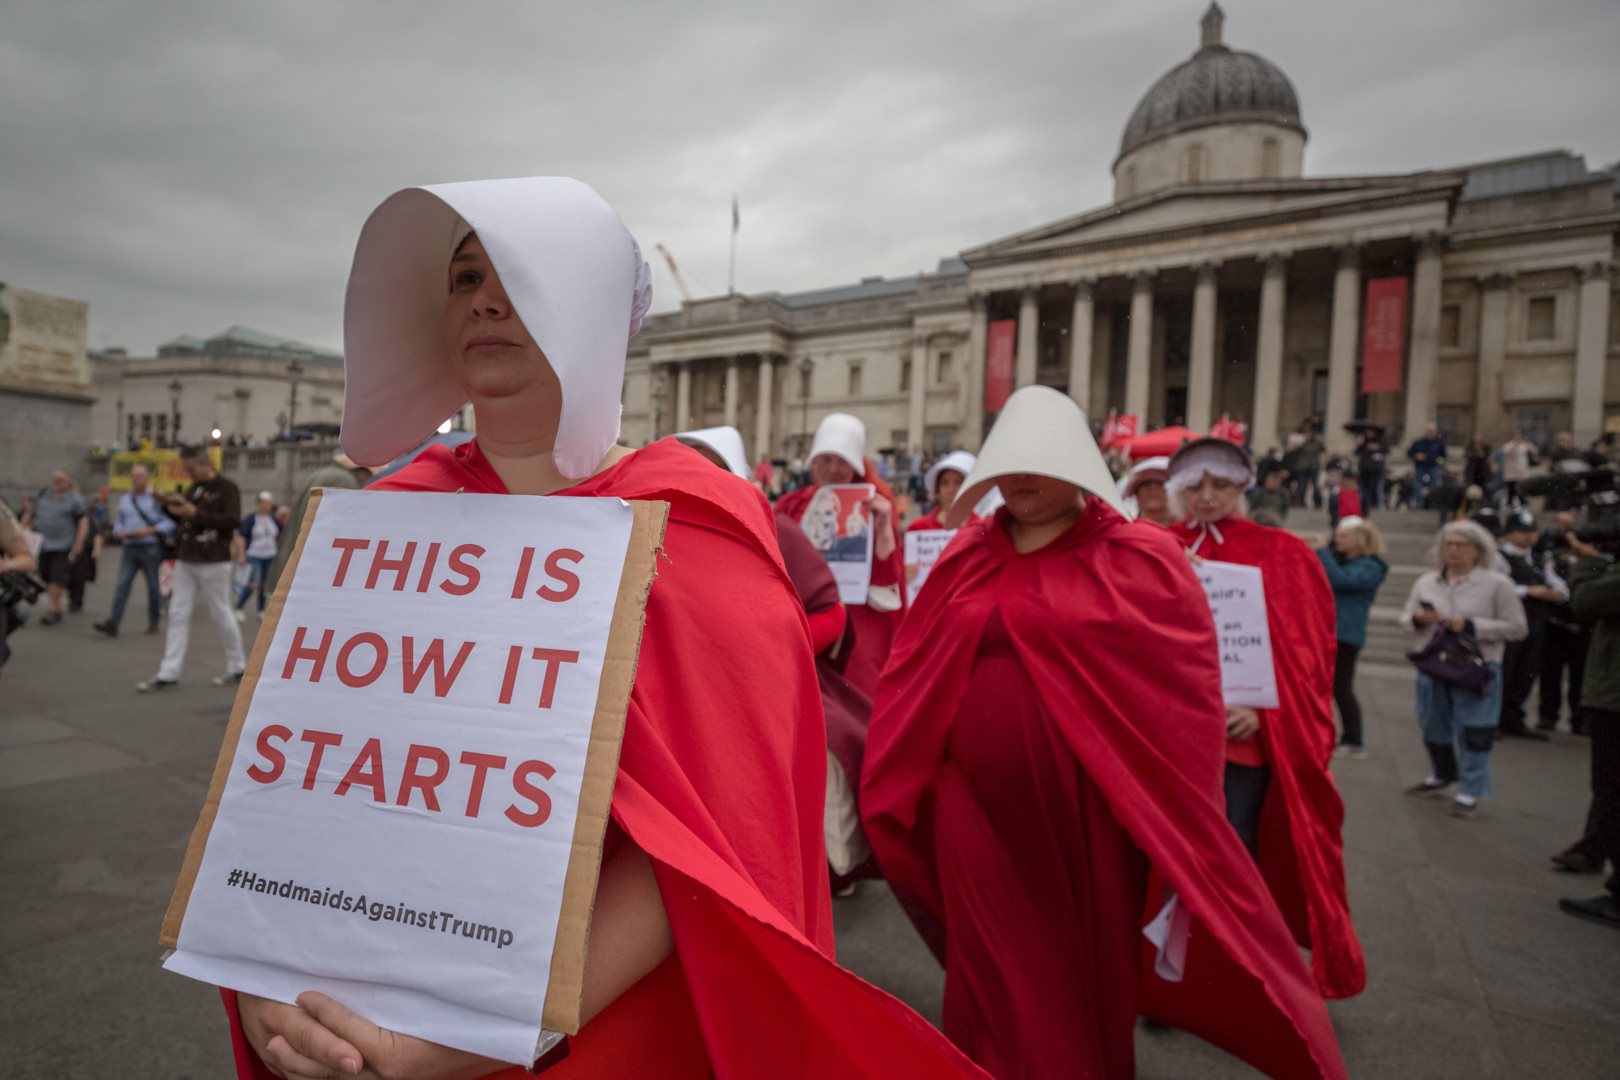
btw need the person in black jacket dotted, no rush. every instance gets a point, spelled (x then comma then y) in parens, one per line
(1522, 661)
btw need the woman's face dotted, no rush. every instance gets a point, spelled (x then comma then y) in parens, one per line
(946, 488)
(1350, 543)
(1212, 499)
(490, 348)
(1458, 553)
(830, 469)
(1151, 500)
(1038, 500)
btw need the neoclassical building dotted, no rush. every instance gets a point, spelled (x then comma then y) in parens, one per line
(1222, 279)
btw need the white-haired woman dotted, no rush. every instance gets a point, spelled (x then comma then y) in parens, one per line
(1463, 595)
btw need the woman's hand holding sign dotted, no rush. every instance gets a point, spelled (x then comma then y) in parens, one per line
(882, 511)
(319, 1039)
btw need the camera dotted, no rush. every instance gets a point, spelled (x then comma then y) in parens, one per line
(1596, 489)
(19, 589)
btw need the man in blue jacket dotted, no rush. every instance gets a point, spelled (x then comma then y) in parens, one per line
(1426, 455)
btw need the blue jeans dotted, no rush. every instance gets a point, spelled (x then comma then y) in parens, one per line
(138, 559)
(1457, 730)
(1424, 477)
(261, 574)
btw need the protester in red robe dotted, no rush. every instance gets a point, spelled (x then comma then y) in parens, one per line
(1279, 794)
(838, 456)
(943, 481)
(711, 941)
(1043, 776)
(847, 709)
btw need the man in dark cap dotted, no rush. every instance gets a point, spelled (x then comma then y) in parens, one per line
(1522, 661)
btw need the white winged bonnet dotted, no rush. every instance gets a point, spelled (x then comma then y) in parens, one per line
(573, 273)
(725, 441)
(1044, 433)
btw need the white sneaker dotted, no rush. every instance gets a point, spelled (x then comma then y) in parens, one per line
(241, 616)
(1346, 750)
(229, 679)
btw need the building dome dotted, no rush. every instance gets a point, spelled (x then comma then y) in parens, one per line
(1218, 87)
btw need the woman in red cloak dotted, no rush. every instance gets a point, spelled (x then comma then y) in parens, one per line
(1043, 778)
(710, 939)
(943, 481)
(838, 456)
(1279, 795)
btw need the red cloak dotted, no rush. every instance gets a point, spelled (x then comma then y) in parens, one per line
(721, 781)
(1301, 846)
(874, 630)
(1096, 617)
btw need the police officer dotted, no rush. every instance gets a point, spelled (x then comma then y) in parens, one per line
(1564, 641)
(1522, 661)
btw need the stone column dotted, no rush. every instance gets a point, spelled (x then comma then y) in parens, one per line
(973, 375)
(1029, 329)
(1493, 331)
(731, 391)
(1264, 423)
(1080, 334)
(1138, 359)
(1342, 339)
(1423, 368)
(1591, 353)
(1102, 357)
(915, 418)
(762, 415)
(683, 397)
(1201, 357)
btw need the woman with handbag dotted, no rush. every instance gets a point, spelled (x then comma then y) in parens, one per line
(1463, 614)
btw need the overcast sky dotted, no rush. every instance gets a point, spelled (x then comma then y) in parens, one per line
(184, 167)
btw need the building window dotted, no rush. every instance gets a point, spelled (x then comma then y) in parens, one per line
(162, 425)
(1451, 326)
(804, 386)
(942, 371)
(1450, 423)
(1268, 159)
(939, 441)
(1319, 391)
(1540, 319)
(905, 375)
(855, 378)
(1127, 186)
(1537, 425)
(1195, 163)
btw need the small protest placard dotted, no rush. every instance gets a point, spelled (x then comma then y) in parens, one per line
(409, 806)
(923, 549)
(841, 529)
(1237, 599)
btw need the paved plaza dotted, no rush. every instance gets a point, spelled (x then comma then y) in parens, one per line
(1474, 973)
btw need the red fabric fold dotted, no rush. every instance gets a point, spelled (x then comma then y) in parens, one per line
(721, 781)
(1116, 636)
(1301, 826)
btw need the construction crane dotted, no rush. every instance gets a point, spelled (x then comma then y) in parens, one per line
(674, 272)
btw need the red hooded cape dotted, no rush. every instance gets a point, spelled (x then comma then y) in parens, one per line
(1301, 846)
(874, 630)
(721, 780)
(1096, 618)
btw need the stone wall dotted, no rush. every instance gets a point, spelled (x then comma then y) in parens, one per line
(40, 432)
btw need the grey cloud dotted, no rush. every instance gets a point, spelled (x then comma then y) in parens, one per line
(188, 166)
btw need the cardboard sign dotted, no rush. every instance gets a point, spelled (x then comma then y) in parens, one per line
(923, 549)
(841, 529)
(408, 809)
(1237, 599)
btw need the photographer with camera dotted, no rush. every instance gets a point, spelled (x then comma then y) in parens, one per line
(16, 566)
(1595, 600)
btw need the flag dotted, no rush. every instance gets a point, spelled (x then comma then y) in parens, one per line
(736, 215)
(1118, 428)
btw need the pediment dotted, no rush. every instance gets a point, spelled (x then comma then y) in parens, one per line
(1215, 207)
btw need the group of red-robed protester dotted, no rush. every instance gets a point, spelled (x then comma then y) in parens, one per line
(1036, 750)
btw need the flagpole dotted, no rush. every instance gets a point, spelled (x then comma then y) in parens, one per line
(731, 268)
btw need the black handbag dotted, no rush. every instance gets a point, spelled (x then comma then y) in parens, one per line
(1454, 657)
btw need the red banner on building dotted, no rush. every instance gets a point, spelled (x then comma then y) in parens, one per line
(1383, 338)
(998, 364)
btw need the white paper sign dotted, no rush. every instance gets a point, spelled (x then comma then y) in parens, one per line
(923, 548)
(397, 820)
(841, 529)
(1237, 599)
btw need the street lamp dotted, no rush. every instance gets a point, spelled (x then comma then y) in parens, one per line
(295, 368)
(806, 366)
(174, 409)
(660, 394)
